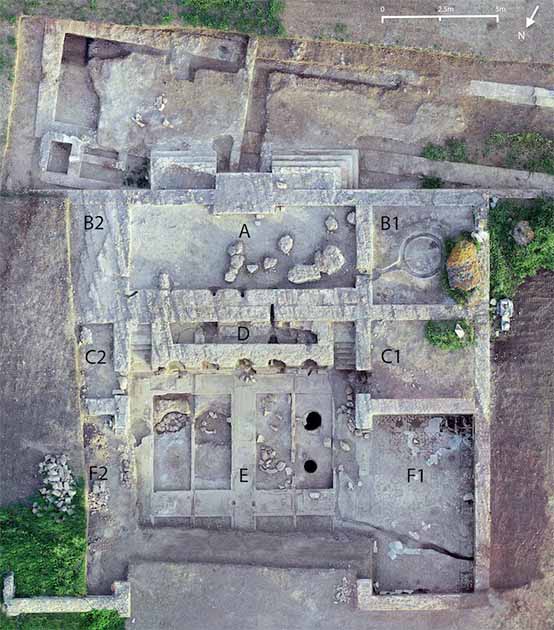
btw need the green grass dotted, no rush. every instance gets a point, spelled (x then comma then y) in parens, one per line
(429, 181)
(340, 32)
(529, 151)
(453, 150)
(512, 264)
(48, 557)
(441, 334)
(95, 620)
(262, 17)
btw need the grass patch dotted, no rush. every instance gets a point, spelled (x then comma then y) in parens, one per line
(529, 151)
(512, 264)
(340, 32)
(429, 181)
(453, 150)
(441, 334)
(262, 17)
(94, 620)
(48, 557)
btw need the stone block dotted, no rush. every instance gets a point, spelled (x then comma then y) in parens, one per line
(244, 193)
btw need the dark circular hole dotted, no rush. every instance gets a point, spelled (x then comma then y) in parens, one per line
(310, 466)
(313, 421)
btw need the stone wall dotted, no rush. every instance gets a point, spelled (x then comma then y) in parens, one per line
(120, 601)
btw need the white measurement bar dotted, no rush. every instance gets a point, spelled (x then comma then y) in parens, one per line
(446, 16)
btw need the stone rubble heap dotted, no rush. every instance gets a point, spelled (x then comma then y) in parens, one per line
(271, 465)
(236, 260)
(58, 487)
(124, 466)
(172, 422)
(98, 497)
(345, 413)
(246, 371)
(344, 592)
(206, 422)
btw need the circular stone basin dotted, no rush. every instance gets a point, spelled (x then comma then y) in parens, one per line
(422, 255)
(310, 466)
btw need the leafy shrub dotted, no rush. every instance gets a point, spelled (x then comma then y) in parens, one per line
(428, 181)
(434, 152)
(454, 150)
(441, 334)
(512, 264)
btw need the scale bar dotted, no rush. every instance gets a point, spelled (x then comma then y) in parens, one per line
(439, 17)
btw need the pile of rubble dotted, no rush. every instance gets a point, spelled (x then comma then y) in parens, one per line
(344, 592)
(271, 465)
(124, 466)
(98, 497)
(237, 258)
(210, 418)
(346, 412)
(172, 422)
(247, 373)
(58, 487)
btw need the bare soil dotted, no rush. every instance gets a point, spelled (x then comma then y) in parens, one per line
(39, 410)
(522, 434)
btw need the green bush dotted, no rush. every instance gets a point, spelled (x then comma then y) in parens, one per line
(428, 181)
(442, 335)
(434, 152)
(48, 557)
(454, 150)
(512, 264)
(249, 16)
(530, 151)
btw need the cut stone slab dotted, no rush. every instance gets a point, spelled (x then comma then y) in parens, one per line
(300, 274)
(185, 170)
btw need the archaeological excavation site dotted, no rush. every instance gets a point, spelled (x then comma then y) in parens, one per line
(254, 273)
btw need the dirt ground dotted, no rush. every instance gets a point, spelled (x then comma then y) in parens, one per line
(360, 21)
(38, 398)
(522, 448)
